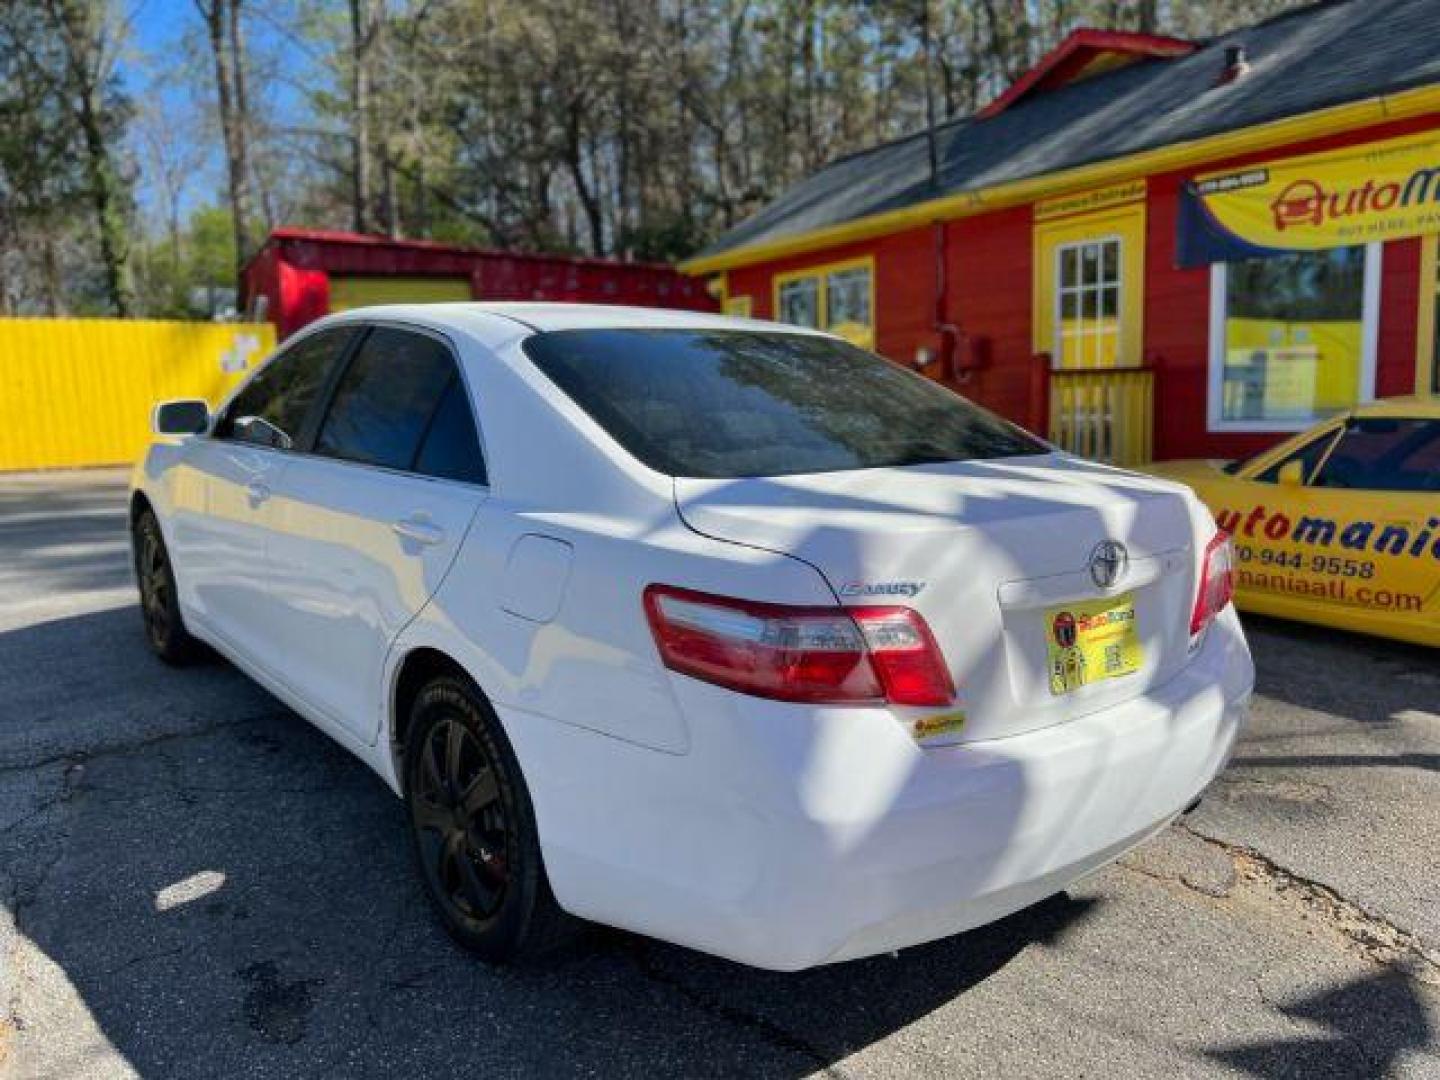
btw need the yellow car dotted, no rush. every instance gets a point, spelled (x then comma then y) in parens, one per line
(1339, 525)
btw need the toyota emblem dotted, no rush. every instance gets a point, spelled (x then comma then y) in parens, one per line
(1108, 562)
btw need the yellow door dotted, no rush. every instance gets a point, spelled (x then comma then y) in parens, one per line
(1089, 277)
(1089, 262)
(354, 292)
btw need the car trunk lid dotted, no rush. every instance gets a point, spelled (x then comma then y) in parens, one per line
(990, 553)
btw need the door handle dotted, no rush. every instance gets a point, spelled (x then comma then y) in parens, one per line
(257, 491)
(418, 530)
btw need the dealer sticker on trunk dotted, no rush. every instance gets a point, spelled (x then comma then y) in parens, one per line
(1091, 640)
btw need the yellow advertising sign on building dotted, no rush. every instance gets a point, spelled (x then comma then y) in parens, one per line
(1376, 191)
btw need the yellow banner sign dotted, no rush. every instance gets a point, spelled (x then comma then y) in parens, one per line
(1377, 191)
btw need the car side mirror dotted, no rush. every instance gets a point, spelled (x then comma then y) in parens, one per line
(258, 430)
(1292, 474)
(189, 416)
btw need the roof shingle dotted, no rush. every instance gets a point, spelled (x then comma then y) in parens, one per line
(1318, 56)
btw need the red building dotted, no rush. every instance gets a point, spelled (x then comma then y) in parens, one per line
(301, 274)
(1147, 247)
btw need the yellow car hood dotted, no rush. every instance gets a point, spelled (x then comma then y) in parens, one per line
(1188, 471)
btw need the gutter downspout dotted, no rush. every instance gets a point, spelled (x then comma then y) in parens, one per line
(951, 333)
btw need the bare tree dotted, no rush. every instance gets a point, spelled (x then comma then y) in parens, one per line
(366, 19)
(636, 128)
(171, 160)
(227, 49)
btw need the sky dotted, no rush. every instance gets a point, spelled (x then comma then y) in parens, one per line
(163, 35)
(155, 21)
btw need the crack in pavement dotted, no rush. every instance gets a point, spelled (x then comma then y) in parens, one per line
(1375, 937)
(23, 891)
(23, 894)
(1174, 879)
(768, 1030)
(71, 757)
(143, 958)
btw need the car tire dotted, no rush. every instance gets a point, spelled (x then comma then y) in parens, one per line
(472, 827)
(159, 601)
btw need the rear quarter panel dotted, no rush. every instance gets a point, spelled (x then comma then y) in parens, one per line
(594, 664)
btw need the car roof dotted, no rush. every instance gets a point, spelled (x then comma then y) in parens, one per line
(1411, 406)
(544, 317)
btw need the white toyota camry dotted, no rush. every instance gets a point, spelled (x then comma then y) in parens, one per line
(721, 631)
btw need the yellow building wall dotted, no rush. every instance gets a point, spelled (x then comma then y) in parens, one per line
(347, 293)
(78, 392)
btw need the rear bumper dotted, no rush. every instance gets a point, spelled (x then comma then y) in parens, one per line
(792, 836)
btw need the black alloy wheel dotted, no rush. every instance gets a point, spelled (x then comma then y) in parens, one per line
(473, 827)
(461, 822)
(159, 605)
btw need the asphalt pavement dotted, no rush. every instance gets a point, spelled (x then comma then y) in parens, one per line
(196, 883)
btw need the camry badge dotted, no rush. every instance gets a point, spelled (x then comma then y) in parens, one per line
(1108, 562)
(881, 588)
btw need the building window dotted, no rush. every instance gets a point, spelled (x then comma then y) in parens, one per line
(738, 306)
(847, 303)
(800, 302)
(1292, 337)
(1087, 294)
(839, 298)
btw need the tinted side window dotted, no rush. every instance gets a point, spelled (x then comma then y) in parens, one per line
(1384, 454)
(451, 449)
(1421, 465)
(1308, 455)
(386, 398)
(271, 409)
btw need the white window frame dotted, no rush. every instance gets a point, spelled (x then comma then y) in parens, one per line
(1369, 349)
(1057, 344)
(816, 283)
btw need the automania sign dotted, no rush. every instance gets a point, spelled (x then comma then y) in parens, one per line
(1411, 539)
(1376, 191)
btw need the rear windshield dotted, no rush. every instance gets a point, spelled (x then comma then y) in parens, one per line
(723, 404)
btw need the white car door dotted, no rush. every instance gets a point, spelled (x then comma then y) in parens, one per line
(221, 489)
(367, 521)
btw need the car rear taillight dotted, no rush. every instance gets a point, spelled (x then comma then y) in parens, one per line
(828, 655)
(1217, 581)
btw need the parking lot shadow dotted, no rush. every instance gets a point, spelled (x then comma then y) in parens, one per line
(88, 683)
(1315, 667)
(238, 899)
(1363, 1027)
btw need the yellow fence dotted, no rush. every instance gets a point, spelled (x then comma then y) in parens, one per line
(77, 392)
(1106, 414)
